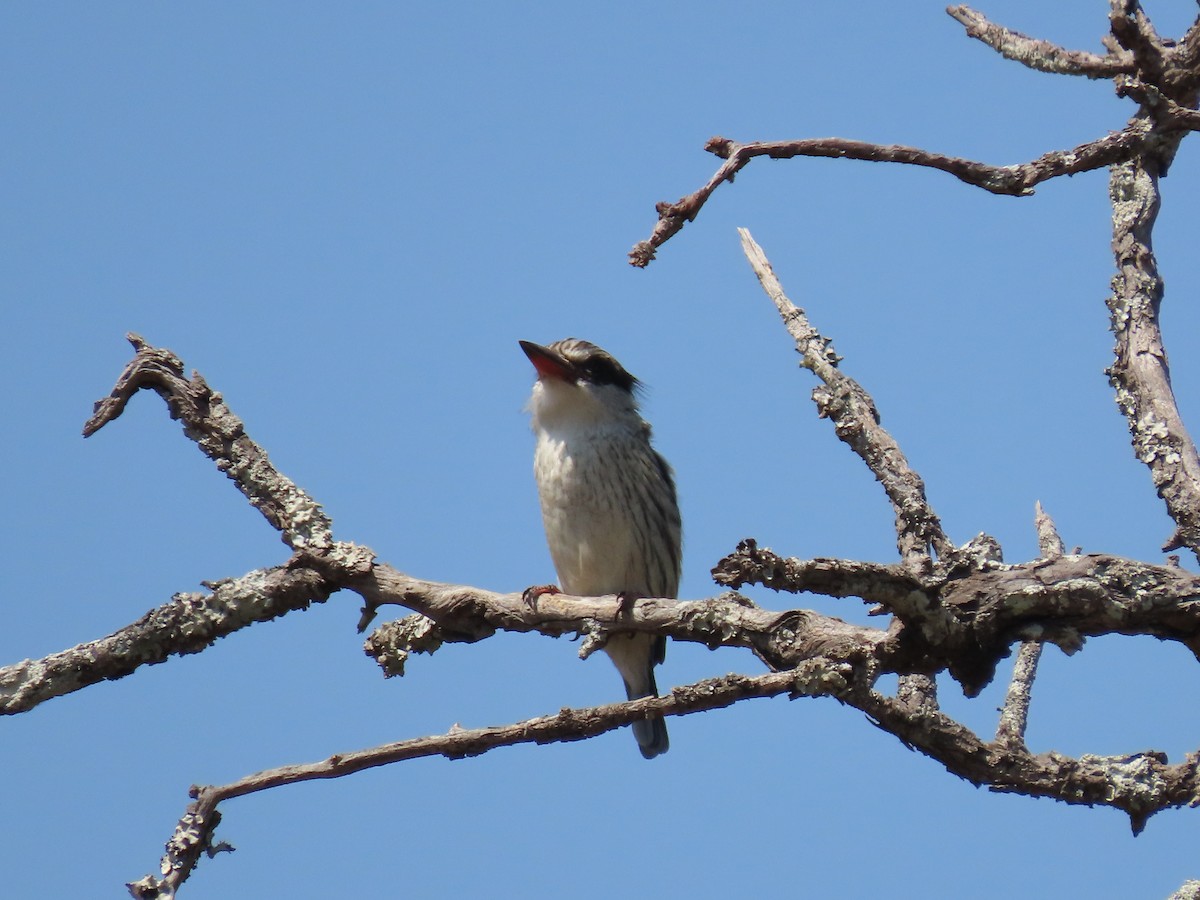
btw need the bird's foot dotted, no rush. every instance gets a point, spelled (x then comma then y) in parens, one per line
(626, 600)
(530, 594)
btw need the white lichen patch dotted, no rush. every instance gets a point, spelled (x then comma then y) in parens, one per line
(817, 678)
(1130, 775)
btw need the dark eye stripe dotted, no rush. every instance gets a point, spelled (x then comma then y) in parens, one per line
(594, 364)
(603, 370)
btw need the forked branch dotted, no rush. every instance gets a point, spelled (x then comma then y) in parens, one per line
(1137, 51)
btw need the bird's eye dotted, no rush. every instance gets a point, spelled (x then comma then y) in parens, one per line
(593, 371)
(605, 370)
(599, 371)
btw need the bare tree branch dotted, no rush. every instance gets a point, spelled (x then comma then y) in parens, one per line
(1037, 54)
(1135, 49)
(1185, 58)
(856, 421)
(194, 834)
(1167, 87)
(965, 620)
(958, 619)
(1049, 543)
(1140, 372)
(1014, 180)
(1134, 32)
(782, 640)
(1164, 110)
(1165, 79)
(919, 693)
(961, 613)
(220, 434)
(1140, 785)
(188, 624)
(1014, 715)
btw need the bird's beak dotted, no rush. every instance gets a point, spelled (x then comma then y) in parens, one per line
(548, 363)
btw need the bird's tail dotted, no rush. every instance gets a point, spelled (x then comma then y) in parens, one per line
(635, 656)
(651, 736)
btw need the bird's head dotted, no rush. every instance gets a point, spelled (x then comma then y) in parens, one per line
(578, 381)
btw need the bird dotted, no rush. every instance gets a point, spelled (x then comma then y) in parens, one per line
(608, 500)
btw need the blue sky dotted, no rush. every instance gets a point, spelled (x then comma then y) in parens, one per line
(345, 218)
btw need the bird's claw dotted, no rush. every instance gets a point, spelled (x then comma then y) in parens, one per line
(530, 595)
(626, 600)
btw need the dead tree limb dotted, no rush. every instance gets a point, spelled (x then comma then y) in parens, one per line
(1014, 715)
(195, 833)
(856, 421)
(1136, 55)
(959, 613)
(220, 434)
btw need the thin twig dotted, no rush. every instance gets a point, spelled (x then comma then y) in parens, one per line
(856, 422)
(1049, 543)
(1037, 54)
(1014, 715)
(1015, 180)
